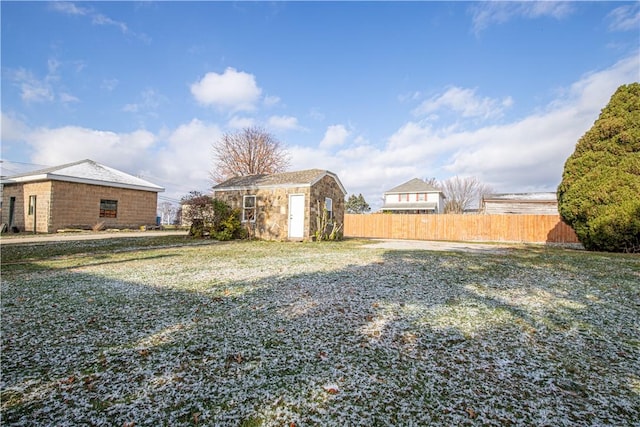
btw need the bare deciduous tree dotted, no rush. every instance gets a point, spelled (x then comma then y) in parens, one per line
(167, 212)
(432, 182)
(462, 193)
(248, 152)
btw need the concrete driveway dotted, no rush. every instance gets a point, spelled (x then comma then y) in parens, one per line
(9, 239)
(433, 245)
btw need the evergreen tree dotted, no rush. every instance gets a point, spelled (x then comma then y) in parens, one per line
(599, 195)
(357, 204)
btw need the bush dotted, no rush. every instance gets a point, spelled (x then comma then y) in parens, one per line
(599, 192)
(211, 217)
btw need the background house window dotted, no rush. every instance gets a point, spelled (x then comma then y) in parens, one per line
(328, 205)
(249, 208)
(108, 208)
(32, 205)
(422, 197)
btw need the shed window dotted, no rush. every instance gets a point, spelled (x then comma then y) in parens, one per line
(328, 205)
(108, 208)
(32, 205)
(249, 208)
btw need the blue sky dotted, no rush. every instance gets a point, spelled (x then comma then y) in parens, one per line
(377, 92)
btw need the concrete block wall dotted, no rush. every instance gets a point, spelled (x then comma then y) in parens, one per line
(78, 206)
(61, 204)
(37, 221)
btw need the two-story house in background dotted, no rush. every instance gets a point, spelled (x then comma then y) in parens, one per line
(414, 197)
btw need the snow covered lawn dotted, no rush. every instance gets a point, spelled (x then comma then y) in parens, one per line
(283, 334)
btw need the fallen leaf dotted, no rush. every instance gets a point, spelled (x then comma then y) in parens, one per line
(331, 388)
(69, 380)
(472, 414)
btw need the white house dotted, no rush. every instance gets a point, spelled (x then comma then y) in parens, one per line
(414, 197)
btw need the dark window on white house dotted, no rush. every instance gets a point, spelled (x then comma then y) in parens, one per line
(249, 208)
(108, 208)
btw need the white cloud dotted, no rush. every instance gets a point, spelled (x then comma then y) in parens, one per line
(185, 162)
(97, 18)
(524, 155)
(531, 152)
(317, 115)
(67, 98)
(53, 65)
(409, 96)
(241, 122)
(283, 123)
(68, 8)
(100, 19)
(271, 100)
(181, 159)
(41, 90)
(32, 89)
(12, 128)
(232, 90)
(71, 143)
(625, 18)
(109, 84)
(487, 13)
(148, 100)
(335, 135)
(464, 102)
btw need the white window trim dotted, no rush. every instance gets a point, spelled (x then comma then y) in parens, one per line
(245, 208)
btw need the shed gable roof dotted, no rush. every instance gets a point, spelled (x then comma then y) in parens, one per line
(302, 178)
(415, 185)
(86, 172)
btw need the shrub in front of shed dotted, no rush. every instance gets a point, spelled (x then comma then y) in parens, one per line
(211, 217)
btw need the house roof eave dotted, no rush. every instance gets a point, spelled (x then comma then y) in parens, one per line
(64, 178)
(256, 184)
(409, 206)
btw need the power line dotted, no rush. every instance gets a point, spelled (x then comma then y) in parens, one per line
(23, 163)
(169, 199)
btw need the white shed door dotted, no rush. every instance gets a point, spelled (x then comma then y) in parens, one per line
(296, 216)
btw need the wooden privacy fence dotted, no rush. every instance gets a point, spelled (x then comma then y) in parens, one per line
(487, 228)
